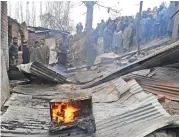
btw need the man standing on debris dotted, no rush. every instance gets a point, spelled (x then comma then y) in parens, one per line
(43, 53)
(107, 38)
(79, 28)
(102, 26)
(117, 41)
(25, 53)
(91, 52)
(62, 51)
(13, 54)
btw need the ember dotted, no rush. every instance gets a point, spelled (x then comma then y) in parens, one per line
(72, 113)
(63, 113)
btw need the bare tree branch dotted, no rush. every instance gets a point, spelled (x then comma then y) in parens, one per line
(109, 8)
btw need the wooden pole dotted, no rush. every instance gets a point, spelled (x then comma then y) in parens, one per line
(138, 27)
(176, 25)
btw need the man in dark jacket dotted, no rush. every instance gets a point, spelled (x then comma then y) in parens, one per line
(25, 53)
(62, 51)
(13, 54)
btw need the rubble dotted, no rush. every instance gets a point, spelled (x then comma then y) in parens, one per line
(45, 73)
(139, 104)
(165, 56)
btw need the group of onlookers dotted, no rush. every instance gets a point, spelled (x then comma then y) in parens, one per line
(36, 53)
(119, 34)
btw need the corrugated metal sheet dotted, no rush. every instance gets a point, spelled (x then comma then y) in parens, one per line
(137, 122)
(142, 115)
(43, 72)
(158, 87)
(165, 56)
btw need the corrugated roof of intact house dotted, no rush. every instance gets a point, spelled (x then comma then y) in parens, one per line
(43, 29)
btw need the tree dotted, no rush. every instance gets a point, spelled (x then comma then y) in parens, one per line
(21, 11)
(57, 15)
(27, 13)
(89, 17)
(33, 14)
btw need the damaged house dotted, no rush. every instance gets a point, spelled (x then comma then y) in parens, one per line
(124, 95)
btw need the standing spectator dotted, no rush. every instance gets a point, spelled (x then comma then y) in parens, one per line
(100, 46)
(161, 19)
(91, 52)
(107, 39)
(33, 52)
(96, 33)
(102, 26)
(117, 41)
(62, 51)
(79, 28)
(148, 27)
(171, 11)
(127, 37)
(13, 54)
(25, 53)
(43, 53)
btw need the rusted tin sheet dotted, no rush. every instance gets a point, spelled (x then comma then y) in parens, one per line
(158, 87)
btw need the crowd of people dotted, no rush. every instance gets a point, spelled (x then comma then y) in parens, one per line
(119, 34)
(36, 53)
(115, 35)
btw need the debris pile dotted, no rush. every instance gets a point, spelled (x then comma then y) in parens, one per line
(140, 99)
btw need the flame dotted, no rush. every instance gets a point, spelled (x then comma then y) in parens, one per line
(63, 113)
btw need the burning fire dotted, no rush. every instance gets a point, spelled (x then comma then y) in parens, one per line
(63, 113)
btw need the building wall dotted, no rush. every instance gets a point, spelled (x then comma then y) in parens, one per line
(15, 30)
(32, 37)
(4, 32)
(4, 53)
(25, 31)
(5, 93)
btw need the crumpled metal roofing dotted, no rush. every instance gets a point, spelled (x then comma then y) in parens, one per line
(137, 122)
(158, 87)
(165, 56)
(42, 71)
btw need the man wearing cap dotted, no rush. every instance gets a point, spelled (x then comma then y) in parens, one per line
(25, 53)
